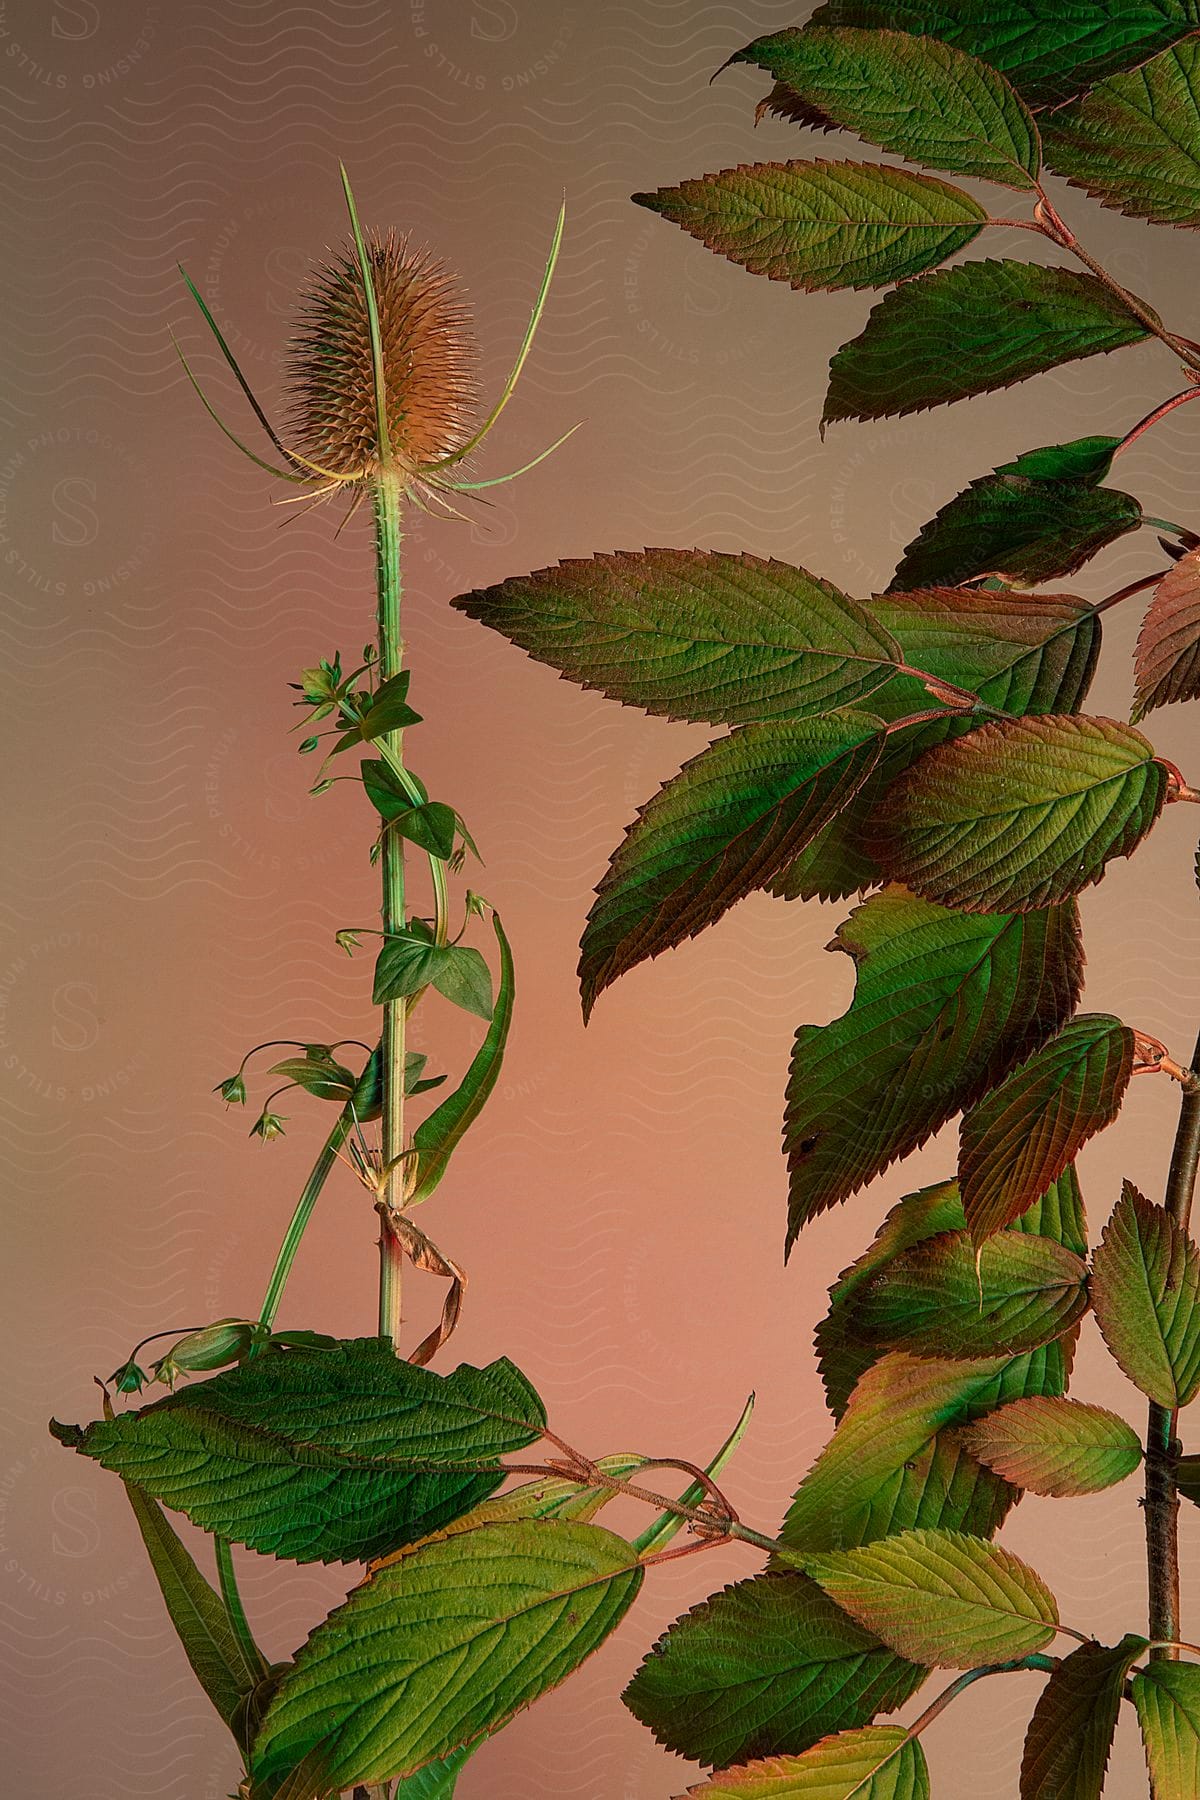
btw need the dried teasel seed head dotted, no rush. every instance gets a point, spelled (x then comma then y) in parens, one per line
(428, 361)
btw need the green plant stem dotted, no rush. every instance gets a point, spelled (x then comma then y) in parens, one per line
(303, 1213)
(1162, 1495)
(252, 1656)
(388, 498)
(1044, 1664)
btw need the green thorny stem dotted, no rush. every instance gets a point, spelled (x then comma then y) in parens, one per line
(388, 499)
(1162, 1495)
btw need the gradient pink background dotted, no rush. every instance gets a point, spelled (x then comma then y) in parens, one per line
(172, 894)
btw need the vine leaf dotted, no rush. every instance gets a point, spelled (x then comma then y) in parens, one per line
(336, 1455)
(1146, 1292)
(1055, 1447)
(1050, 52)
(410, 961)
(1071, 1731)
(1167, 1697)
(1133, 142)
(725, 825)
(821, 225)
(1168, 648)
(893, 1463)
(694, 634)
(767, 1666)
(221, 1663)
(941, 1597)
(875, 1763)
(1021, 813)
(944, 1005)
(937, 1300)
(1034, 519)
(878, 1762)
(971, 330)
(915, 96)
(1020, 652)
(442, 1647)
(1024, 1133)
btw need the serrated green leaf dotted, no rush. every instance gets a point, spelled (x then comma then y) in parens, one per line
(220, 1661)
(443, 1647)
(765, 1667)
(1021, 813)
(936, 1300)
(1133, 142)
(1055, 1447)
(1019, 524)
(1167, 1697)
(1082, 459)
(436, 1781)
(332, 1455)
(1020, 652)
(972, 330)
(1049, 49)
(1024, 1133)
(694, 634)
(879, 1762)
(1146, 1292)
(915, 96)
(437, 1137)
(1071, 1731)
(941, 1598)
(944, 1005)
(1168, 646)
(725, 825)
(821, 225)
(894, 1464)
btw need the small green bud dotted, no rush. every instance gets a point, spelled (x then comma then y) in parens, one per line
(213, 1347)
(268, 1125)
(349, 941)
(129, 1378)
(309, 744)
(322, 787)
(232, 1090)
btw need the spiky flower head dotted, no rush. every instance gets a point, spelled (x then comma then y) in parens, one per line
(428, 363)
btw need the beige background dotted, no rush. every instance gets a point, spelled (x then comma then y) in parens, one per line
(171, 894)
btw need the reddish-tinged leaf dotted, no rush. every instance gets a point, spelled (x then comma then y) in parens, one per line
(822, 224)
(1167, 1697)
(941, 1597)
(880, 1762)
(1146, 1292)
(944, 1005)
(1167, 666)
(1022, 813)
(1071, 1731)
(1055, 1447)
(1022, 1135)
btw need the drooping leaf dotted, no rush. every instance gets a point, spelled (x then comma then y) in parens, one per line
(940, 1597)
(441, 1648)
(1146, 1292)
(936, 1300)
(971, 330)
(1071, 1731)
(694, 634)
(878, 1762)
(437, 1137)
(1020, 813)
(1055, 1447)
(821, 225)
(944, 1005)
(221, 1663)
(389, 709)
(1020, 652)
(1049, 49)
(1167, 1697)
(1168, 647)
(1024, 522)
(1024, 1133)
(915, 96)
(1133, 142)
(333, 1455)
(765, 1667)
(893, 1464)
(322, 1076)
(729, 821)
